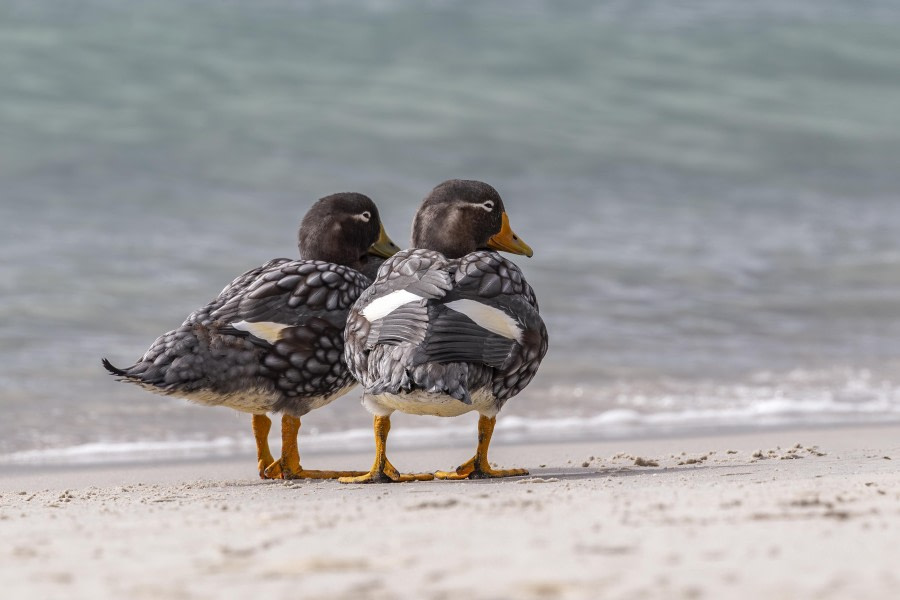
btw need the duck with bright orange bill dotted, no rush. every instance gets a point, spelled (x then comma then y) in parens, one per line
(447, 327)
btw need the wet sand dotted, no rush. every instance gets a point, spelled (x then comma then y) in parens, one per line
(780, 515)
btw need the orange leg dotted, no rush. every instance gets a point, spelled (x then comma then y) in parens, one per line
(288, 466)
(261, 426)
(382, 470)
(478, 466)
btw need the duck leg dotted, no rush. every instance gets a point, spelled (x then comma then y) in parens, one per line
(478, 466)
(261, 426)
(382, 469)
(288, 466)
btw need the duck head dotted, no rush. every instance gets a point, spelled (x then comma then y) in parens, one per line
(461, 216)
(344, 229)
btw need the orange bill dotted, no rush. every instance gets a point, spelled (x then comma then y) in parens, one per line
(508, 241)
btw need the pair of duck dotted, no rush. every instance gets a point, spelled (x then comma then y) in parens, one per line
(446, 327)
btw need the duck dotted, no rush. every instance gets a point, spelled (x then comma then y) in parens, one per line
(272, 340)
(449, 326)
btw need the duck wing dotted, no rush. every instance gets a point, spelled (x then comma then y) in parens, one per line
(287, 294)
(424, 311)
(492, 292)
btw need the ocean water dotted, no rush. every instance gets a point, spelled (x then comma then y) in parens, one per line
(712, 191)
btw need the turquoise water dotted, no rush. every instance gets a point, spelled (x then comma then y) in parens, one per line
(712, 191)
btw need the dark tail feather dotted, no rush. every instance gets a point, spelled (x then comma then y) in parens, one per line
(113, 369)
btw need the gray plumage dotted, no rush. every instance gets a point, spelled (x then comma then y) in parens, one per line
(424, 345)
(272, 340)
(210, 361)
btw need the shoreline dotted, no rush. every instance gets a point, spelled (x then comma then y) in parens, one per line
(815, 521)
(133, 454)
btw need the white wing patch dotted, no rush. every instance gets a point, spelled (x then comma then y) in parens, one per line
(492, 319)
(264, 330)
(382, 307)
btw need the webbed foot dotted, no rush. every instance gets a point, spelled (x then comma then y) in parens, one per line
(478, 466)
(270, 471)
(471, 469)
(387, 474)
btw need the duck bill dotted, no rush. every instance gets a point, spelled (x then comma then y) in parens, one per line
(384, 246)
(508, 241)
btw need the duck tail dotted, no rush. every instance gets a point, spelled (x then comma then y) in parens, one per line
(113, 369)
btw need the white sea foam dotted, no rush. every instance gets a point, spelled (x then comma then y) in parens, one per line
(616, 423)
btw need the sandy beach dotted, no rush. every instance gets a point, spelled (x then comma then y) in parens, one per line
(710, 191)
(783, 514)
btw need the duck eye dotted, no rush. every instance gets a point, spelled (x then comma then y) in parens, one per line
(365, 216)
(488, 205)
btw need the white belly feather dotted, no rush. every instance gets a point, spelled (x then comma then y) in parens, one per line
(429, 403)
(256, 401)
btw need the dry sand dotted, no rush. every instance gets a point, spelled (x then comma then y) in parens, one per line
(705, 518)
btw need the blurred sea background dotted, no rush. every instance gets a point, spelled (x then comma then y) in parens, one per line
(712, 190)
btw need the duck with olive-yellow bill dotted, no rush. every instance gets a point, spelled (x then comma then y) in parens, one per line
(272, 340)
